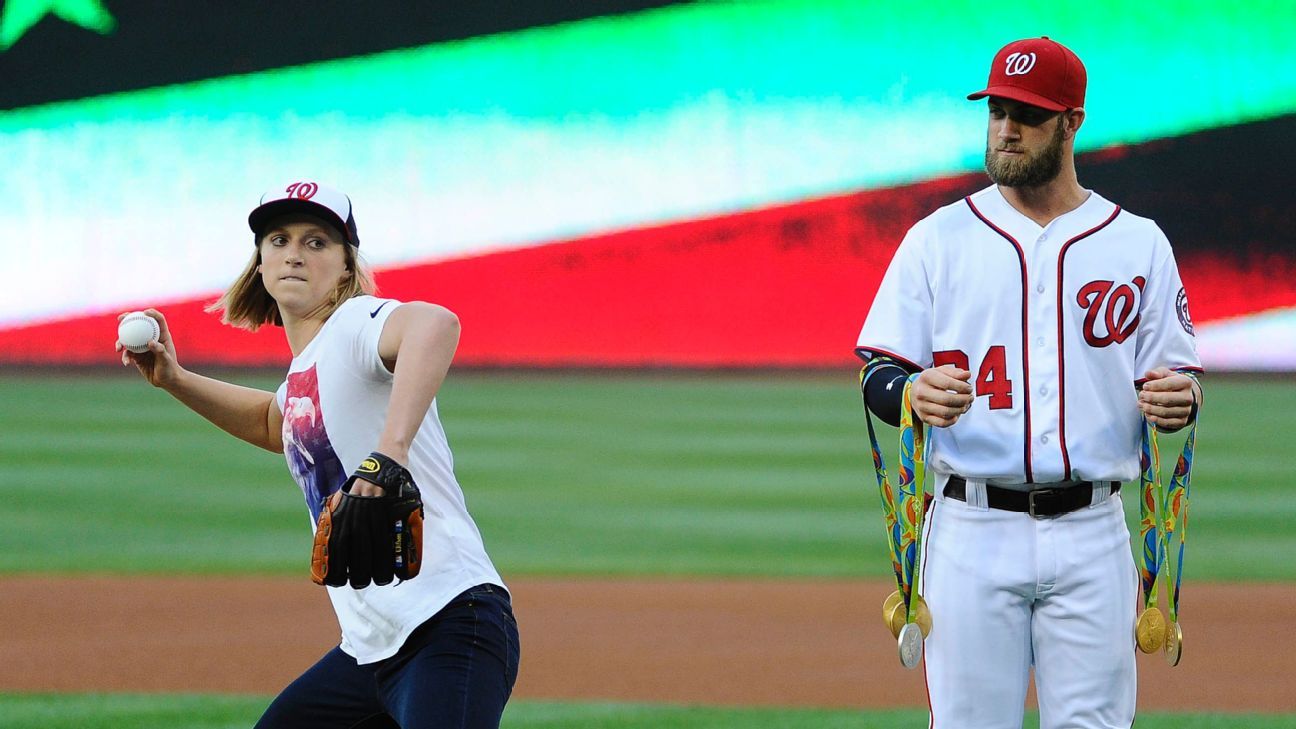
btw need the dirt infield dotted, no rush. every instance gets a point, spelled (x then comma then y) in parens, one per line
(753, 643)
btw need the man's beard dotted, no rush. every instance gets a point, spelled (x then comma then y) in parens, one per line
(1028, 172)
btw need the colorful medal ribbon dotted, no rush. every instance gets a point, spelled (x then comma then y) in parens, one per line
(1163, 532)
(903, 506)
(913, 475)
(1149, 534)
(888, 497)
(1174, 510)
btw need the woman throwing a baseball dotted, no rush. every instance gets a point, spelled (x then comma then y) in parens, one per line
(428, 634)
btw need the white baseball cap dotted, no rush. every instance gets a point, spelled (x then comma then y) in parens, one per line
(306, 197)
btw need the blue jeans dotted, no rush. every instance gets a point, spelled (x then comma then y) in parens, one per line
(455, 671)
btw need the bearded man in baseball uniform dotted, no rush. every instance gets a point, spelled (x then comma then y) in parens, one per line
(1046, 324)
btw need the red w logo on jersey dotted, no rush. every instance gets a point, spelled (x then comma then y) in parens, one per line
(1114, 307)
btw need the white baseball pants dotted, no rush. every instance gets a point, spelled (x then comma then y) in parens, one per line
(1008, 591)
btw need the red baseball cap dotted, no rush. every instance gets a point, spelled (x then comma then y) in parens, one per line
(1037, 71)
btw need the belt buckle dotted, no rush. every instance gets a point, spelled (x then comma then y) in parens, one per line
(1030, 501)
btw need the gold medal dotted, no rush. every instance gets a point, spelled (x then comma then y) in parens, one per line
(1174, 644)
(896, 619)
(1150, 632)
(895, 615)
(922, 616)
(888, 607)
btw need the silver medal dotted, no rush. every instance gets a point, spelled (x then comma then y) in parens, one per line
(911, 644)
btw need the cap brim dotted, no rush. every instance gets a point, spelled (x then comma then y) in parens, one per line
(1018, 94)
(261, 217)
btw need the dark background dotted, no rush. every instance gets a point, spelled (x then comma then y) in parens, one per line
(160, 42)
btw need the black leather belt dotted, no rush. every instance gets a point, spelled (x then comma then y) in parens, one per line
(1037, 503)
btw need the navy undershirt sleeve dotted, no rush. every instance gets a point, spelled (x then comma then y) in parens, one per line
(884, 381)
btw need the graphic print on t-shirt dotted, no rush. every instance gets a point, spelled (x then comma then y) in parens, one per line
(311, 459)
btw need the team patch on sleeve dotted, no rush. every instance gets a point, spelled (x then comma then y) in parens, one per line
(1181, 308)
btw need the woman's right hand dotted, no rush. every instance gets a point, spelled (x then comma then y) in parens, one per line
(158, 365)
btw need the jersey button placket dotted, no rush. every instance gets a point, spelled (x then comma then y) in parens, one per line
(1046, 459)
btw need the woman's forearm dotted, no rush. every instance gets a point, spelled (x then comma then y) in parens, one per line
(243, 412)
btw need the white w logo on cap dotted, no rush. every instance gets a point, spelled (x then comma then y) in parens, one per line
(1019, 64)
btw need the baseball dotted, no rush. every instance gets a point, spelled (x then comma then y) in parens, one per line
(137, 330)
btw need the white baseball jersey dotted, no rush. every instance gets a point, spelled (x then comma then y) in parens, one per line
(334, 403)
(1056, 324)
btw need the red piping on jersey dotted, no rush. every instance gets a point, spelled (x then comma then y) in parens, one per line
(922, 576)
(892, 355)
(1025, 340)
(1061, 345)
(1138, 590)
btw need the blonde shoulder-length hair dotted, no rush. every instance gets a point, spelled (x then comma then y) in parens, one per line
(247, 305)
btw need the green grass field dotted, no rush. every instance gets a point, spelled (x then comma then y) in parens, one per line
(567, 474)
(690, 474)
(91, 711)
